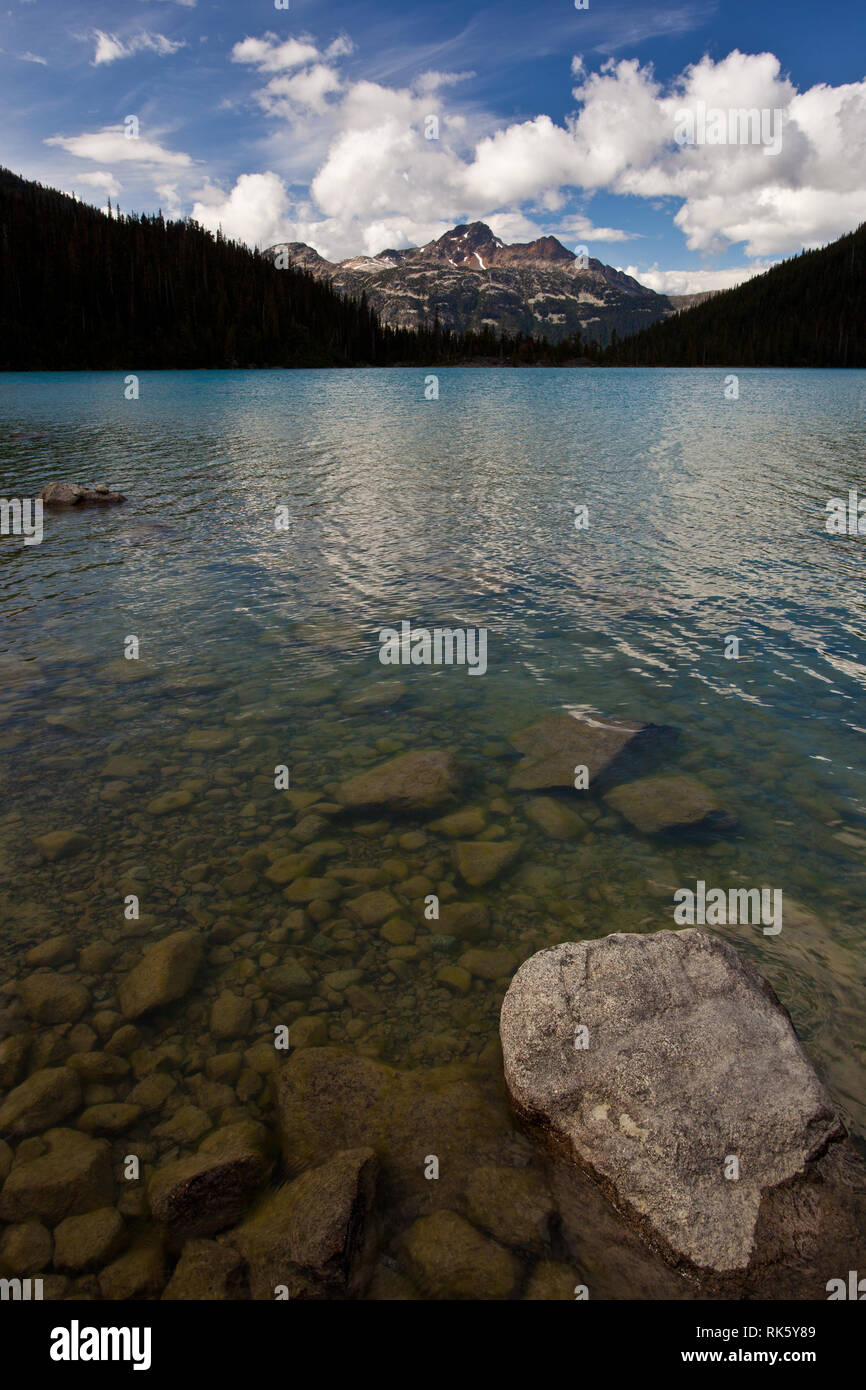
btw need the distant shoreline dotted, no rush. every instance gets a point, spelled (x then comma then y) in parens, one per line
(484, 364)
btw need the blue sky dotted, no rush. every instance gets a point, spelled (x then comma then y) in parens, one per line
(312, 123)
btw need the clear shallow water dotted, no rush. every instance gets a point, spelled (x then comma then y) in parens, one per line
(706, 519)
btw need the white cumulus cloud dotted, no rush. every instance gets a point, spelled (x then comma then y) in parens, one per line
(256, 210)
(112, 145)
(693, 281)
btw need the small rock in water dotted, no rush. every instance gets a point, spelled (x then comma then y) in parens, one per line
(109, 1118)
(512, 1204)
(53, 998)
(207, 1272)
(61, 844)
(164, 974)
(554, 746)
(307, 890)
(376, 696)
(73, 495)
(470, 821)
(289, 981)
(493, 964)
(169, 801)
(73, 1175)
(557, 821)
(455, 978)
(466, 921)
(209, 1191)
(231, 1016)
(480, 861)
(13, 1054)
(58, 951)
(308, 1031)
(371, 909)
(139, 1273)
(313, 1235)
(658, 805)
(449, 1259)
(84, 1242)
(26, 1248)
(411, 781)
(44, 1099)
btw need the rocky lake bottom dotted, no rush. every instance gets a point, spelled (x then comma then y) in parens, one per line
(168, 907)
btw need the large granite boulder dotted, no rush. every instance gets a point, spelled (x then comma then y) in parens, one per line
(665, 1067)
(554, 746)
(410, 782)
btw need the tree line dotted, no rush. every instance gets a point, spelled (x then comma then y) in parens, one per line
(82, 289)
(87, 289)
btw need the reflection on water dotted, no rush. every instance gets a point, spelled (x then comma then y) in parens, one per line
(260, 648)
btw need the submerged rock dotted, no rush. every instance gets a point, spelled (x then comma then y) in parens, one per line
(13, 1055)
(140, 1273)
(449, 1259)
(53, 998)
(164, 973)
(688, 1098)
(480, 861)
(557, 821)
(466, 921)
(512, 1204)
(371, 909)
(231, 1016)
(411, 781)
(73, 495)
(167, 802)
(375, 696)
(658, 805)
(210, 1190)
(26, 1248)
(470, 821)
(554, 746)
(61, 844)
(58, 950)
(492, 964)
(44, 1099)
(83, 1242)
(312, 1237)
(328, 1099)
(207, 1271)
(72, 1176)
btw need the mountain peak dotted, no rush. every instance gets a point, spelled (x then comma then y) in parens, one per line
(472, 244)
(469, 278)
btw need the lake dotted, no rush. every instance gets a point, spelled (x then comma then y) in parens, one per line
(259, 648)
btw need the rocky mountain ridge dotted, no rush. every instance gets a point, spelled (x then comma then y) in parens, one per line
(470, 279)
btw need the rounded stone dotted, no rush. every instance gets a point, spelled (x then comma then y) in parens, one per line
(53, 998)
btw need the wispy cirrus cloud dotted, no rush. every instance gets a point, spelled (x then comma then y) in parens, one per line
(109, 48)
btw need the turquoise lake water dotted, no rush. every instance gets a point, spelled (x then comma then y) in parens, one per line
(706, 521)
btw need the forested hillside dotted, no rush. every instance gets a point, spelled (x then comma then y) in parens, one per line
(809, 311)
(81, 289)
